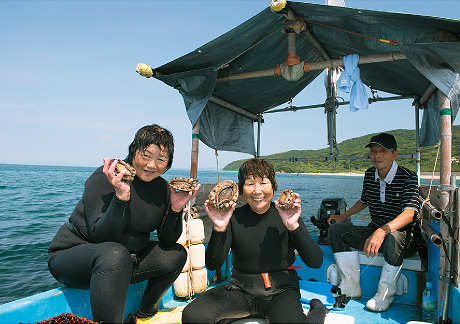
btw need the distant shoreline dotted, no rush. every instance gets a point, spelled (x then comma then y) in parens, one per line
(423, 175)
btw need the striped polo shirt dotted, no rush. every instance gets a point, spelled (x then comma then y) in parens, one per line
(388, 198)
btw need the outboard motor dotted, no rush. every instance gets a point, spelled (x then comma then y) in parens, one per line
(329, 206)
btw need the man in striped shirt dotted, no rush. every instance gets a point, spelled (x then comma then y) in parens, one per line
(391, 193)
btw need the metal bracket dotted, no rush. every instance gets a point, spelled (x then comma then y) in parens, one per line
(445, 279)
(446, 187)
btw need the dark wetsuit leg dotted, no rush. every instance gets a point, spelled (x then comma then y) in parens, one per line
(104, 268)
(218, 303)
(285, 308)
(161, 266)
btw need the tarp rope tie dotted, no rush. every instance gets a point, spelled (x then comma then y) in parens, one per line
(390, 42)
(217, 163)
(424, 201)
(224, 65)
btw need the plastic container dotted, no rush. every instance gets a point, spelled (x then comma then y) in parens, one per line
(429, 304)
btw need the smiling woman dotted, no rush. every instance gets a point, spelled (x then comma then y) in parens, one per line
(105, 244)
(262, 238)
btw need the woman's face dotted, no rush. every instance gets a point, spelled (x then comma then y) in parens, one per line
(258, 193)
(150, 163)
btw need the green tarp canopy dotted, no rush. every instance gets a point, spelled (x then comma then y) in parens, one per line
(431, 47)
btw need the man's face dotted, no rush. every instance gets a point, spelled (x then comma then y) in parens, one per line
(382, 158)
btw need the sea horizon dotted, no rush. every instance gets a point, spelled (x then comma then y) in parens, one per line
(423, 174)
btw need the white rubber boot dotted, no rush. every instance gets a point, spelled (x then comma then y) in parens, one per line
(386, 290)
(349, 273)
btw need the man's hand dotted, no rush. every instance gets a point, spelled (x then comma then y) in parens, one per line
(336, 219)
(374, 242)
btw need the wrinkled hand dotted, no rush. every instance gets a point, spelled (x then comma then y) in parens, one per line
(180, 198)
(220, 218)
(290, 217)
(374, 242)
(122, 188)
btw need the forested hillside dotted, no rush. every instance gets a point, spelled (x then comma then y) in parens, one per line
(356, 147)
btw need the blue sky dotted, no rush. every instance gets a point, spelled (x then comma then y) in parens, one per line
(69, 94)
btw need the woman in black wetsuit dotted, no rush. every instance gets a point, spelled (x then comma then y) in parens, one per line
(262, 238)
(105, 245)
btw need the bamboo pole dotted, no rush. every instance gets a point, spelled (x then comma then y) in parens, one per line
(308, 34)
(233, 107)
(329, 64)
(259, 124)
(427, 94)
(195, 145)
(446, 146)
(444, 180)
(417, 141)
(312, 39)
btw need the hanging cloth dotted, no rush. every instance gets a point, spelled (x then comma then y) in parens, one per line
(350, 78)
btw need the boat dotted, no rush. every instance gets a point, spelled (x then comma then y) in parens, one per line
(229, 84)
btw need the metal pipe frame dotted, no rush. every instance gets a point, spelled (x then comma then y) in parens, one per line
(371, 100)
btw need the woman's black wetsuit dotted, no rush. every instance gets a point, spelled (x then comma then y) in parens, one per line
(105, 245)
(260, 243)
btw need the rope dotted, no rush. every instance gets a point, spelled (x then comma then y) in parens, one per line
(189, 217)
(367, 266)
(224, 65)
(390, 42)
(432, 177)
(217, 163)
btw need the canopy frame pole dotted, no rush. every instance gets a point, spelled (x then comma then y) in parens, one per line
(328, 64)
(426, 95)
(371, 100)
(419, 105)
(291, 16)
(331, 106)
(233, 107)
(417, 141)
(259, 125)
(446, 146)
(445, 181)
(312, 39)
(195, 146)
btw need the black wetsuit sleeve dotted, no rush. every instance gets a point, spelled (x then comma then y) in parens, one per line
(171, 228)
(309, 251)
(105, 212)
(112, 223)
(218, 248)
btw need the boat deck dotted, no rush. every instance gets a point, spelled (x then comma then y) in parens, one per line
(354, 312)
(314, 284)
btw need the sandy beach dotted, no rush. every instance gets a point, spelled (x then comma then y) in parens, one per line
(423, 175)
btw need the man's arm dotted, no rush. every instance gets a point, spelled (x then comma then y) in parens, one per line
(373, 242)
(356, 208)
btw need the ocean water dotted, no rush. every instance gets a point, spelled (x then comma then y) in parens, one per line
(36, 200)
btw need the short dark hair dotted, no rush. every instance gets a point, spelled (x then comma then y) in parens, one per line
(152, 134)
(256, 168)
